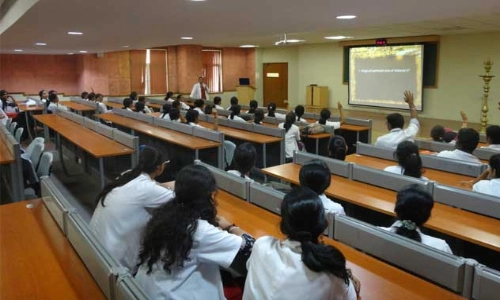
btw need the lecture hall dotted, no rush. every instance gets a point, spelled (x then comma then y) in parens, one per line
(223, 149)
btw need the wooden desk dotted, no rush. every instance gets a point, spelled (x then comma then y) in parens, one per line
(36, 259)
(113, 104)
(461, 224)
(378, 279)
(11, 173)
(6, 155)
(91, 142)
(451, 179)
(79, 108)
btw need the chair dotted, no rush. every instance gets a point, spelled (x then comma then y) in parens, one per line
(12, 127)
(128, 289)
(36, 154)
(45, 165)
(9, 121)
(19, 134)
(229, 148)
(29, 149)
(486, 283)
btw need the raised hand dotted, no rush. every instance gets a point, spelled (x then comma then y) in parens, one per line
(409, 97)
(339, 105)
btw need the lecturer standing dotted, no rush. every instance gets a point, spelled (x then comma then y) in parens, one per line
(200, 90)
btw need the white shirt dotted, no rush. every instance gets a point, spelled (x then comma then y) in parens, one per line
(3, 117)
(330, 206)
(426, 239)
(170, 101)
(495, 147)
(120, 224)
(490, 187)
(185, 106)
(55, 106)
(199, 278)
(194, 124)
(291, 138)
(217, 106)
(196, 91)
(147, 110)
(129, 109)
(237, 173)
(276, 271)
(237, 118)
(400, 170)
(199, 110)
(459, 155)
(398, 135)
(335, 125)
(102, 108)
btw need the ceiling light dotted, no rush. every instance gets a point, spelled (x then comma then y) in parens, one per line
(75, 33)
(337, 37)
(186, 38)
(41, 44)
(248, 46)
(71, 53)
(198, 0)
(82, 51)
(18, 50)
(125, 46)
(295, 41)
(346, 17)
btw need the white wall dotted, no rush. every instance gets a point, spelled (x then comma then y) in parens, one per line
(459, 87)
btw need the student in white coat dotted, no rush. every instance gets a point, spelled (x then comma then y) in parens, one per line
(54, 104)
(101, 107)
(217, 102)
(122, 211)
(169, 97)
(337, 147)
(325, 115)
(271, 112)
(186, 243)
(315, 175)
(409, 161)
(232, 101)
(467, 141)
(200, 90)
(491, 186)
(395, 123)
(44, 96)
(292, 135)
(235, 114)
(192, 118)
(198, 106)
(413, 209)
(299, 267)
(244, 160)
(127, 104)
(492, 138)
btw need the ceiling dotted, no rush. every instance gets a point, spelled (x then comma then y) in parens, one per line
(110, 25)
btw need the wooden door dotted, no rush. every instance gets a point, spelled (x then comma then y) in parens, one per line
(276, 84)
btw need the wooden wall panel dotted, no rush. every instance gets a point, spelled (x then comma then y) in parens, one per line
(137, 65)
(158, 71)
(172, 69)
(189, 67)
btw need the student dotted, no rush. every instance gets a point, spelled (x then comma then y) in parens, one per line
(299, 112)
(492, 138)
(44, 96)
(168, 98)
(186, 243)
(120, 218)
(127, 104)
(467, 141)
(85, 95)
(410, 163)
(299, 267)
(7, 105)
(244, 159)
(174, 115)
(91, 97)
(258, 116)
(447, 135)
(139, 107)
(142, 100)
(192, 118)
(208, 110)
(395, 123)
(198, 106)
(271, 112)
(217, 102)
(183, 105)
(165, 110)
(253, 105)
(325, 115)
(337, 147)
(315, 175)
(491, 186)
(292, 135)
(3, 117)
(413, 209)
(235, 114)
(233, 101)
(133, 96)
(101, 107)
(177, 105)
(54, 104)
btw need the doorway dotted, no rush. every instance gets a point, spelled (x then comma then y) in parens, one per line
(276, 84)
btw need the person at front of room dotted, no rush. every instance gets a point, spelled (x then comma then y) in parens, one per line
(395, 123)
(200, 90)
(467, 141)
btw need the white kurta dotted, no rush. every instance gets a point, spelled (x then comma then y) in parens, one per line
(291, 138)
(398, 135)
(196, 91)
(490, 187)
(459, 155)
(330, 206)
(399, 170)
(335, 125)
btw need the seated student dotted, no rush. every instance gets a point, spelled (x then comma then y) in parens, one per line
(253, 105)
(208, 110)
(410, 163)
(244, 159)
(168, 98)
(120, 218)
(447, 135)
(467, 141)
(491, 186)
(133, 96)
(299, 112)
(233, 101)
(325, 115)
(91, 96)
(292, 135)
(299, 267)
(395, 123)
(271, 112)
(186, 242)
(184, 106)
(139, 107)
(192, 118)
(198, 106)
(127, 104)
(142, 100)
(235, 114)
(174, 115)
(315, 175)
(413, 209)
(217, 102)
(3, 116)
(44, 96)
(101, 107)
(337, 147)
(54, 104)
(8, 102)
(165, 110)
(85, 95)
(258, 116)
(492, 138)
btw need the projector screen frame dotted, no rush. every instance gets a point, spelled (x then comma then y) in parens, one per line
(423, 44)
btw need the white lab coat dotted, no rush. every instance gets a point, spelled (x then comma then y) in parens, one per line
(196, 91)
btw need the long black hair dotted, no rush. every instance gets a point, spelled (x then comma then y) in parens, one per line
(168, 95)
(299, 111)
(149, 160)
(413, 209)
(337, 147)
(235, 111)
(253, 106)
(303, 219)
(258, 116)
(245, 157)
(408, 156)
(324, 115)
(271, 108)
(315, 175)
(289, 120)
(494, 163)
(437, 133)
(169, 234)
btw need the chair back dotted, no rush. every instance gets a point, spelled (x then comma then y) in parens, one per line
(19, 134)
(485, 153)
(229, 148)
(45, 165)
(13, 127)
(266, 197)
(29, 149)
(452, 166)
(55, 202)
(370, 150)
(127, 288)
(486, 284)
(232, 184)
(337, 167)
(36, 154)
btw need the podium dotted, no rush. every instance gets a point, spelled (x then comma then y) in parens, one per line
(245, 93)
(317, 96)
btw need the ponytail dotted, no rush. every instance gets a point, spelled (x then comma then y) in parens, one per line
(324, 116)
(235, 110)
(408, 229)
(289, 120)
(412, 165)
(270, 110)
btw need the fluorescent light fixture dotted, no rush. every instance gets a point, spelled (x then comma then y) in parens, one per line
(75, 33)
(346, 17)
(41, 44)
(186, 38)
(125, 46)
(248, 46)
(83, 51)
(71, 53)
(18, 50)
(295, 41)
(198, 0)
(337, 37)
